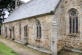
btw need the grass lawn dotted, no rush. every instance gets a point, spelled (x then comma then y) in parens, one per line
(5, 50)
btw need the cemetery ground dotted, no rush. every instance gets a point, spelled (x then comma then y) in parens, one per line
(9, 47)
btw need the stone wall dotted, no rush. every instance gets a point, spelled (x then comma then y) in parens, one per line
(62, 15)
(55, 28)
(45, 21)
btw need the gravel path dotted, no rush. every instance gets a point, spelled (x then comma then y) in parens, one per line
(21, 49)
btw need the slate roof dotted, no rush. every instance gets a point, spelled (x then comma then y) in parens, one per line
(33, 8)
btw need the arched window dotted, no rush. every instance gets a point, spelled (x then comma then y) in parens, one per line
(20, 30)
(38, 29)
(25, 31)
(13, 33)
(73, 21)
(26, 34)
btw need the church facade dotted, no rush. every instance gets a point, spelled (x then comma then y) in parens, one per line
(50, 25)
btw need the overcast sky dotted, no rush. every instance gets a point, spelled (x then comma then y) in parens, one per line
(25, 0)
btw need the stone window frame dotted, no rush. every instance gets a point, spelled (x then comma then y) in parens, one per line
(20, 31)
(6, 29)
(73, 31)
(19, 3)
(13, 31)
(25, 34)
(26, 30)
(39, 29)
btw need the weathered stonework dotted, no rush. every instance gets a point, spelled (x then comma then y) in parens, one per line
(45, 41)
(55, 28)
(64, 38)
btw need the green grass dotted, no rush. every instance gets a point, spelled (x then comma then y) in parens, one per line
(5, 50)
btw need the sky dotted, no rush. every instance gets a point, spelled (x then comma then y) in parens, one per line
(25, 0)
(7, 13)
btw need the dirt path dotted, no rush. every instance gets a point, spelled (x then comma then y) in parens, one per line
(21, 49)
(65, 52)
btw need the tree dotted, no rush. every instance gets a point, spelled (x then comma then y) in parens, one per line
(8, 5)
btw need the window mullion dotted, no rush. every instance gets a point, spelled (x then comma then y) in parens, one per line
(76, 25)
(70, 24)
(72, 28)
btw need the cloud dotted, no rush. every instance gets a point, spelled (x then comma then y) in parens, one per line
(7, 13)
(25, 0)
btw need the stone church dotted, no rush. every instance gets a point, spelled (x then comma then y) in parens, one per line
(46, 24)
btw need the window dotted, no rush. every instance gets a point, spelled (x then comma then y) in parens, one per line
(13, 34)
(38, 29)
(19, 3)
(25, 31)
(6, 31)
(20, 31)
(26, 34)
(10, 29)
(73, 21)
